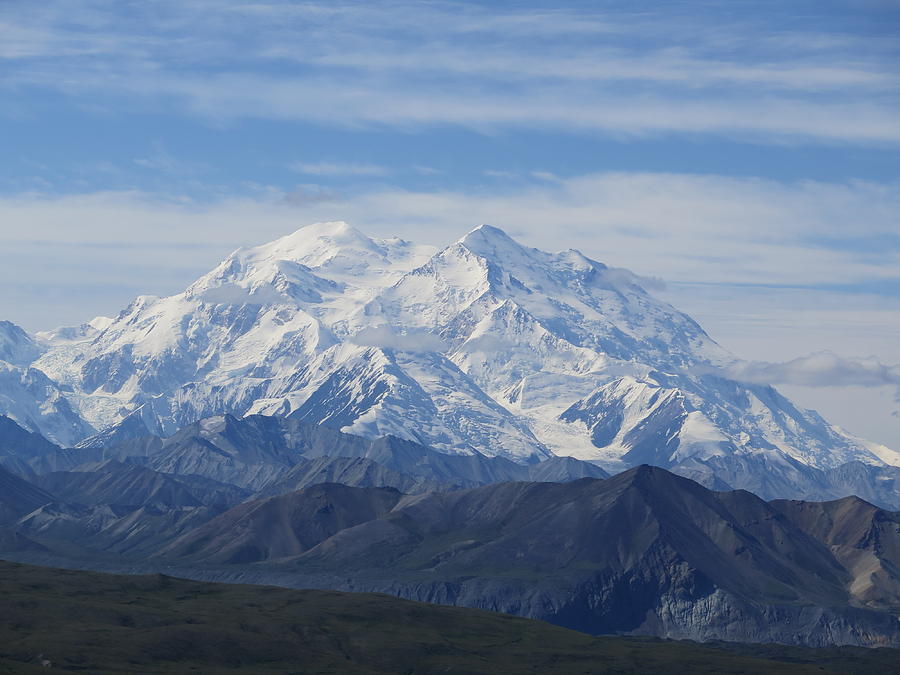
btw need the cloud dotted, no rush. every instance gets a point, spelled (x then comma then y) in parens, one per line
(619, 275)
(338, 169)
(823, 369)
(232, 294)
(545, 176)
(385, 337)
(611, 71)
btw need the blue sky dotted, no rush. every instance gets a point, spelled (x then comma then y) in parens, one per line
(747, 154)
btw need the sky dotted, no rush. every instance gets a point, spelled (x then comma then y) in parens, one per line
(742, 157)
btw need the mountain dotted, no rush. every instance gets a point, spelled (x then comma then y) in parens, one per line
(644, 552)
(257, 452)
(483, 347)
(72, 534)
(110, 508)
(18, 446)
(17, 348)
(284, 526)
(120, 484)
(223, 459)
(18, 496)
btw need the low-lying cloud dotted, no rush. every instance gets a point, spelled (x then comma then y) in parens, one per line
(384, 337)
(822, 369)
(232, 294)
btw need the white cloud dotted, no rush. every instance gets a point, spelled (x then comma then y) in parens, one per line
(232, 294)
(823, 369)
(387, 338)
(679, 227)
(859, 394)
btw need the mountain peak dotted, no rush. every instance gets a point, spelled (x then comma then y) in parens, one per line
(315, 244)
(487, 235)
(495, 245)
(653, 478)
(485, 230)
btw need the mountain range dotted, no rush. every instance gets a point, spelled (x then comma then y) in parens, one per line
(485, 425)
(645, 552)
(485, 347)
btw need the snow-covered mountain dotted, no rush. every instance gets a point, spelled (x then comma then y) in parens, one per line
(485, 345)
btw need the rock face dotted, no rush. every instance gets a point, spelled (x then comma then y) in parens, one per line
(643, 552)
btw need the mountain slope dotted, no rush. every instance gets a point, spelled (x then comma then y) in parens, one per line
(119, 484)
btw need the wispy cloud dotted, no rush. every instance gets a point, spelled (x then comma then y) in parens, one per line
(608, 71)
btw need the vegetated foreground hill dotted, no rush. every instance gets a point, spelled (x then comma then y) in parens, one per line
(98, 623)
